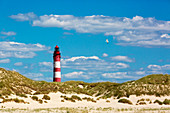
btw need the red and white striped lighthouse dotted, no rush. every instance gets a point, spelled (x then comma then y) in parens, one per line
(57, 70)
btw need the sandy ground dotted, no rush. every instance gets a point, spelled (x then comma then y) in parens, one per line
(55, 102)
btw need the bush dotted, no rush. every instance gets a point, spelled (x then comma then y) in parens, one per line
(62, 100)
(166, 101)
(76, 97)
(37, 93)
(159, 102)
(46, 97)
(107, 101)
(34, 98)
(40, 101)
(89, 99)
(22, 95)
(142, 103)
(14, 100)
(45, 102)
(69, 99)
(125, 101)
(141, 100)
(148, 99)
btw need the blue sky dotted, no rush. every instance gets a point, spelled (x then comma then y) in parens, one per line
(138, 34)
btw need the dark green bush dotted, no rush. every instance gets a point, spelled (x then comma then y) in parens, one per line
(34, 98)
(141, 100)
(46, 97)
(14, 100)
(89, 99)
(158, 101)
(37, 93)
(125, 101)
(166, 101)
(108, 101)
(40, 101)
(22, 95)
(142, 103)
(76, 97)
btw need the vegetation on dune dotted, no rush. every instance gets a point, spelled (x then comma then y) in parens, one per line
(68, 99)
(12, 82)
(14, 100)
(125, 101)
(166, 102)
(46, 97)
(89, 99)
(158, 101)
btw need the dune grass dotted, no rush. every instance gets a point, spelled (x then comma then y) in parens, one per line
(12, 82)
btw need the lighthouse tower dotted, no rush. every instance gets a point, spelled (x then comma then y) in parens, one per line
(57, 70)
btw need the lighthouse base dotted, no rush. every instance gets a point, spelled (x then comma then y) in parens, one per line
(57, 80)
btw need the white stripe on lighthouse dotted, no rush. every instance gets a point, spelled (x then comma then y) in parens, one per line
(57, 74)
(57, 64)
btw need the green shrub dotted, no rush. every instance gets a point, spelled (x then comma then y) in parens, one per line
(166, 101)
(142, 103)
(22, 95)
(89, 99)
(125, 101)
(108, 101)
(159, 102)
(34, 98)
(14, 100)
(46, 97)
(76, 97)
(69, 99)
(141, 100)
(62, 100)
(40, 101)
(37, 93)
(148, 99)
(45, 102)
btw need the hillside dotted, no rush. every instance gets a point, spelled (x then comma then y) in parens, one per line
(12, 82)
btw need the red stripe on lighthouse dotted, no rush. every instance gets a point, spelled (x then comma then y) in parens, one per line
(57, 70)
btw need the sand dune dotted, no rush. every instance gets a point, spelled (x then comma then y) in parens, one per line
(55, 101)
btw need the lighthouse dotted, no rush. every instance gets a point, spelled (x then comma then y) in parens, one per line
(57, 70)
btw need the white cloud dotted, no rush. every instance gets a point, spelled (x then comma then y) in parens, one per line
(165, 36)
(166, 67)
(154, 67)
(122, 58)
(158, 67)
(16, 46)
(74, 74)
(82, 58)
(91, 63)
(118, 75)
(24, 17)
(121, 65)
(100, 23)
(33, 75)
(18, 64)
(20, 50)
(5, 61)
(136, 31)
(105, 55)
(46, 66)
(123, 75)
(114, 33)
(9, 33)
(16, 54)
(139, 72)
